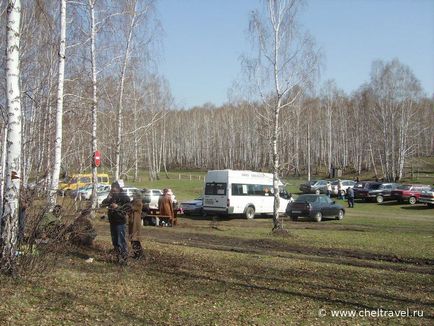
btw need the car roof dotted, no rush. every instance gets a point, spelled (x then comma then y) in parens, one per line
(310, 196)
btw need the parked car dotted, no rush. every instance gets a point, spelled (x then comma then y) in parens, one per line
(151, 197)
(101, 195)
(374, 191)
(427, 197)
(86, 192)
(133, 192)
(314, 187)
(345, 185)
(409, 193)
(315, 207)
(193, 207)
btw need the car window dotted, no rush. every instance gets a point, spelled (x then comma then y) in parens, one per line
(309, 199)
(156, 193)
(375, 186)
(323, 200)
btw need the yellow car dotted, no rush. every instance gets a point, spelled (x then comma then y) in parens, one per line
(77, 181)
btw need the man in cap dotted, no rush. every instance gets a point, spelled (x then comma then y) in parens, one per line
(118, 204)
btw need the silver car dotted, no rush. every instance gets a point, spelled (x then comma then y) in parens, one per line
(345, 185)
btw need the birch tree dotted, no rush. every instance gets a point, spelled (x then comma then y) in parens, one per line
(94, 99)
(286, 58)
(133, 20)
(59, 109)
(396, 91)
(9, 232)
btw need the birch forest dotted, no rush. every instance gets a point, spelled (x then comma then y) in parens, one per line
(115, 100)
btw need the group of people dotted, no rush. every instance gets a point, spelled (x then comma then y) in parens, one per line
(349, 193)
(122, 211)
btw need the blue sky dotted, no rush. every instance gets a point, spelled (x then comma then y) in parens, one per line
(204, 40)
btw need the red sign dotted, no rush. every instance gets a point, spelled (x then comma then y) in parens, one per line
(97, 158)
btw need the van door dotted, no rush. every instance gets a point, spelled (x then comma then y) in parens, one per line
(215, 197)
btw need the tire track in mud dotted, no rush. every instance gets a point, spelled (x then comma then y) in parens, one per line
(272, 248)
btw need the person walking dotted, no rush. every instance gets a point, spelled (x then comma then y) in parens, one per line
(350, 197)
(134, 226)
(118, 204)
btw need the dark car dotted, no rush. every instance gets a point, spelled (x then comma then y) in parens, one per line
(314, 187)
(315, 207)
(409, 193)
(427, 197)
(374, 191)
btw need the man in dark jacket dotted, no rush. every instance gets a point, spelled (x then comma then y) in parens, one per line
(118, 204)
(350, 197)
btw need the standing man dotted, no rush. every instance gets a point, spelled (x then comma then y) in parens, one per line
(350, 197)
(329, 189)
(118, 204)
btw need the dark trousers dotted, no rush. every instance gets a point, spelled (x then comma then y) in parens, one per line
(118, 240)
(350, 201)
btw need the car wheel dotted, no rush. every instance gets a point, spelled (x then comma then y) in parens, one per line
(250, 212)
(340, 214)
(412, 200)
(380, 199)
(318, 217)
(317, 192)
(430, 205)
(294, 218)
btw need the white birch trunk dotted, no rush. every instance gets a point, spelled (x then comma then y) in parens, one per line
(276, 221)
(9, 232)
(308, 152)
(94, 198)
(121, 95)
(3, 169)
(59, 109)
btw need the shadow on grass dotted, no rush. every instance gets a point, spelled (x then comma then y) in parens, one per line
(309, 288)
(418, 208)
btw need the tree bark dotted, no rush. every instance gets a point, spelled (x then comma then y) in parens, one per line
(94, 198)
(9, 232)
(59, 110)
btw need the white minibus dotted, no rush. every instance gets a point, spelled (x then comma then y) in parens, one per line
(232, 192)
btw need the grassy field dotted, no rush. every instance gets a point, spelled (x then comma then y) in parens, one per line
(236, 272)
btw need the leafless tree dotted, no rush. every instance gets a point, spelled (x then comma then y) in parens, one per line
(286, 60)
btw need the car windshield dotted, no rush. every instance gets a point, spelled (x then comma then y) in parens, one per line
(404, 187)
(312, 182)
(304, 199)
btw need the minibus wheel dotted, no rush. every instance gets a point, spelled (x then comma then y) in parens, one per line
(250, 212)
